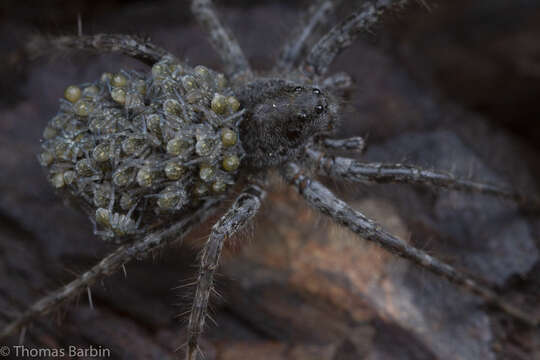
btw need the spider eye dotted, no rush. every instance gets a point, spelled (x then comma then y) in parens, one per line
(298, 89)
(302, 116)
(317, 91)
(319, 109)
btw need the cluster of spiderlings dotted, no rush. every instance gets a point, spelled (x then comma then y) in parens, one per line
(131, 146)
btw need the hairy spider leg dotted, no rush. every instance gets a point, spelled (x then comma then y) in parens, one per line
(356, 144)
(348, 169)
(344, 34)
(241, 212)
(221, 38)
(110, 264)
(323, 200)
(316, 16)
(339, 81)
(133, 46)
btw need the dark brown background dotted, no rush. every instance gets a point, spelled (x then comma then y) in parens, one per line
(454, 88)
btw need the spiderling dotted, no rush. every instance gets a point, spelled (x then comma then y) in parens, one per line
(132, 148)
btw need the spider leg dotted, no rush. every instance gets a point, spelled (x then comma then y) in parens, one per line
(134, 46)
(356, 144)
(323, 200)
(221, 38)
(241, 212)
(344, 34)
(316, 16)
(351, 170)
(339, 81)
(109, 265)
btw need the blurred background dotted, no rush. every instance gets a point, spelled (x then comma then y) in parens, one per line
(454, 87)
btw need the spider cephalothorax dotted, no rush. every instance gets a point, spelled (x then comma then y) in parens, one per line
(149, 156)
(281, 118)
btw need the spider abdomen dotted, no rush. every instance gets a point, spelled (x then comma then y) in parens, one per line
(132, 146)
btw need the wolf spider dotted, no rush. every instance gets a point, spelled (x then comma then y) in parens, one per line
(300, 136)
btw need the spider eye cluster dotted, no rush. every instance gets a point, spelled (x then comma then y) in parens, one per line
(135, 146)
(318, 108)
